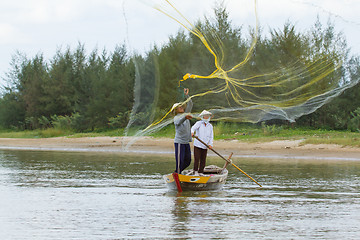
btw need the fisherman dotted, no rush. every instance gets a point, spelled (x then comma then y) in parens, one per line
(182, 133)
(204, 131)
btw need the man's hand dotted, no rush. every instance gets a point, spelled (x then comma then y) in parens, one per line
(188, 117)
(186, 91)
(210, 146)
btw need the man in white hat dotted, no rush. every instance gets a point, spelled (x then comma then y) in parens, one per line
(182, 133)
(204, 131)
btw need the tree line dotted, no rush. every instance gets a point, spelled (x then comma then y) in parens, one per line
(86, 91)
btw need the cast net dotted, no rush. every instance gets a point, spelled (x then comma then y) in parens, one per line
(283, 74)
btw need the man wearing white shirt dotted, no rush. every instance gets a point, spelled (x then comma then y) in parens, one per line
(204, 131)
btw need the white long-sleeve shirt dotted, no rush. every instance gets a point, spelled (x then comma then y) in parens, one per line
(204, 132)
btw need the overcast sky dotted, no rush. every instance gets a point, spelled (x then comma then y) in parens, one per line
(43, 26)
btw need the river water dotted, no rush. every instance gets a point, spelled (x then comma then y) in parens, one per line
(63, 195)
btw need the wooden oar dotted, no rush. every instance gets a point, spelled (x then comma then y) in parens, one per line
(229, 161)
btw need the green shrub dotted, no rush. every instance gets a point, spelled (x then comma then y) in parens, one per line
(120, 121)
(270, 130)
(61, 122)
(354, 122)
(44, 122)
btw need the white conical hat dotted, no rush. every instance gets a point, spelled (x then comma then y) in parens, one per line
(175, 106)
(205, 113)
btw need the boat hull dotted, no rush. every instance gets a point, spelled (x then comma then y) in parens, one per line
(214, 178)
(195, 186)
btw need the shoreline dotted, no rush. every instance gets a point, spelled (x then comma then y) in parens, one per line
(285, 149)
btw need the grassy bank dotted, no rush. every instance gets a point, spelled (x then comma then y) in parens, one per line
(258, 133)
(52, 132)
(225, 131)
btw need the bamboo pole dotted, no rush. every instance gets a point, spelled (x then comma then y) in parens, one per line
(229, 161)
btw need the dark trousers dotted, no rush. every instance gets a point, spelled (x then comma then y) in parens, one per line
(182, 156)
(200, 159)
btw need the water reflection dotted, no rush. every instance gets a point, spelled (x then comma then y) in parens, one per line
(54, 195)
(181, 215)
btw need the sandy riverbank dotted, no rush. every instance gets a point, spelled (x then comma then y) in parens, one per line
(149, 145)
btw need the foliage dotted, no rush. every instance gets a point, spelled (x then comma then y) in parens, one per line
(12, 112)
(120, 120)
(270, 130)
(354, 123)
(62, 122)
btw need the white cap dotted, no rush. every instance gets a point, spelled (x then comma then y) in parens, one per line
(205, 113)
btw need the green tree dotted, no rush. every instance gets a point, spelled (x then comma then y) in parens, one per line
(12, 111)
(59, 88)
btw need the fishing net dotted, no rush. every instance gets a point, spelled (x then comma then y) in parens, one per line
(283, 74)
